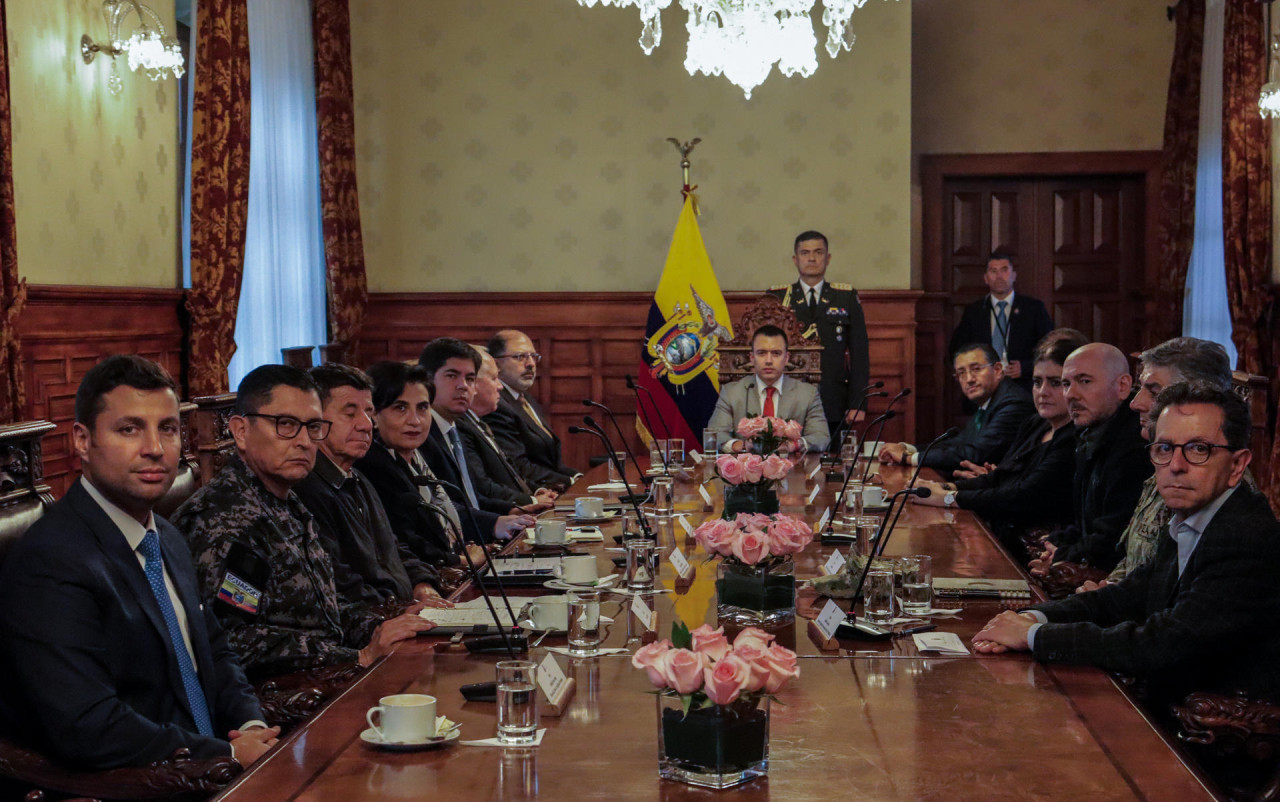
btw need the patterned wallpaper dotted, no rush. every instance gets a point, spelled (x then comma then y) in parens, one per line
(95, 179)
(996, 76)
(520, 145)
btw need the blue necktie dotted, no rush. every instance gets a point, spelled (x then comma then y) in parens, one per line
(1002, 328)
(150, 548)
(461, 457)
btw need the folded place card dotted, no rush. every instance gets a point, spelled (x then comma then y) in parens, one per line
(940, 642)
(537, 741)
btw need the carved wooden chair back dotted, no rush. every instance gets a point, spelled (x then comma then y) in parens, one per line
(804, 353)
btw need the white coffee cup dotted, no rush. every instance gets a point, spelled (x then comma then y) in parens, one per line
(872, 496)
(551, 613)
(579, 569)
(550, 532)
(404, 718)
(871, 448)
(589, 507)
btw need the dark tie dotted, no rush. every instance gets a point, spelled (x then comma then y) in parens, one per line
(511, 469)
(1002, 329)
(978, 419)
(460, 456)
(768, 401)
(813, 300)
(154, 568)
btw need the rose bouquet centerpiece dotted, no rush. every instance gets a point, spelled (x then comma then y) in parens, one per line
(769, 435)
(713, 702)
(749, 477)
(755, 582)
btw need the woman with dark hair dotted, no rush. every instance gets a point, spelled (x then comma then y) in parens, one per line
(421, 514)
(1031, 487)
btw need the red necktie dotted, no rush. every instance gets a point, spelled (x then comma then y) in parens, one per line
(769, 392)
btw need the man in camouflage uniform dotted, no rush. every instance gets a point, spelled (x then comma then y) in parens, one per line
(259, 559)
(833, 312)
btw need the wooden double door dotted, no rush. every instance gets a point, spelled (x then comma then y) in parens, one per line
(1078, 241)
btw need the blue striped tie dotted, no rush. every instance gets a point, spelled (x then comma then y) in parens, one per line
(999, 336)
(150, 548)
(461, 456)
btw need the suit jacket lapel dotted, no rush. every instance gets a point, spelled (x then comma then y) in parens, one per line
(484, 436)
(753, 398)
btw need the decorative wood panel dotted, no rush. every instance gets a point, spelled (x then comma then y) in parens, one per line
(66, 330)
(591, 341)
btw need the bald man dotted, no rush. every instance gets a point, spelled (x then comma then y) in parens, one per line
(1111, 458)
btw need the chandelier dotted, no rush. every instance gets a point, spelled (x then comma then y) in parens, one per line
(743, 39)
(149, 49)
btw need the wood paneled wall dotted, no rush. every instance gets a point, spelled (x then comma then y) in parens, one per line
(65, 330)
(591, 341)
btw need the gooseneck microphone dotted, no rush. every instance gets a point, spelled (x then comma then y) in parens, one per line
(645, 480)
(835, 509)
(916, 473)
(593, 429)
(876, 547)
(636, 387)
(833, 444)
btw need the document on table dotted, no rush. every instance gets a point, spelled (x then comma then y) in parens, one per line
(468, 614)
(940, 642)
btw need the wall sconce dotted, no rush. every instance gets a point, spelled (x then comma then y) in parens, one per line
(149, 49)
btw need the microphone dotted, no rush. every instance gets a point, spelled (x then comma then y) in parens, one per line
(636, 387)
(916, 473)
(593, 430)
(835, 508)
(507, 638)
(888, 415)
(876, 547)
(832, 446)
(587, 402)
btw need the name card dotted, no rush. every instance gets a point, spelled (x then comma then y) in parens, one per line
(642, 611)
(696, 457)
(830, 619)
(551, 677)
(813, 494)
(706, 497)
(834, 563)
(684, 522)
(679, 562)
(822, 522)
(815, 470)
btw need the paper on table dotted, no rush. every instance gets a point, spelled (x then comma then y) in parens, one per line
(465, 614)
(537, 741)
(941, 642)
(597, 653)
(608, 487)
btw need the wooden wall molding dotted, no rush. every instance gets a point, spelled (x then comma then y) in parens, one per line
(590, 341)
(65, 330)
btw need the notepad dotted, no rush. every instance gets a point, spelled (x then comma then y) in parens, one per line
(940, 642)
(972, 587)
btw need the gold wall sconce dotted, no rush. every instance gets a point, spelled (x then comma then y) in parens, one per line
(149, 49)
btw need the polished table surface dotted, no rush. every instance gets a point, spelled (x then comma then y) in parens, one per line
(876, 720)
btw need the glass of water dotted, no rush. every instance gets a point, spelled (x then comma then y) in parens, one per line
(852, 509)
(877, 597)
(663, 489)
(917, 584)
(868, 526)
(619, 458)
(710, 444)
(848, 456)
(675, 451)
(584, 621)
(640, 563)
(517, 701)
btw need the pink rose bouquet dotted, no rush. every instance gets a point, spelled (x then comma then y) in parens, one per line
(752, 538)
(768, 435)
(736, 469)
(704, 669)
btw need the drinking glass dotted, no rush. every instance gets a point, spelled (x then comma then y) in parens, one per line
(584, 621)
(517, 701)
(852, 509)
(619, 457)
(640, 563)
(663, 489)
(877, 597)
(917, 584)
(675, 451)
(866, 530)
(849, 456)
(710, 444)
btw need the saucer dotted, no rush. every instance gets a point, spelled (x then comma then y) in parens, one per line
(876, 507)
(600, 584)
(370, 736)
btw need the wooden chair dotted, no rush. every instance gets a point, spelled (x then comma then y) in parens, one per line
(23, 494)
(298, 357)
(1226, 726)
(189, 477)
(804, 353)
(214, 445)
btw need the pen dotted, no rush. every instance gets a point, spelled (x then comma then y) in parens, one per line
(921, 628)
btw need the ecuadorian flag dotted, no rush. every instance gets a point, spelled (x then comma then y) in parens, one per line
(687, 322)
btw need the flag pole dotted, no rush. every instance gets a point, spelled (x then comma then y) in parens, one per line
(685, 149)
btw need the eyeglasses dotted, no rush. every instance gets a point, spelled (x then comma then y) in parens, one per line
(528, 357)
(288, 426)
(1195, 452)
(964, 373)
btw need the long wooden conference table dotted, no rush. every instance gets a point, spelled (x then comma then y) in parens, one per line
(874, 720)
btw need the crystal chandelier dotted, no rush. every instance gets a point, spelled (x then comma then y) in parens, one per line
(743, 39)
(149, 49)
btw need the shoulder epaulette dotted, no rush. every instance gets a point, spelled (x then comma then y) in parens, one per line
(778, 287)
(838, 286)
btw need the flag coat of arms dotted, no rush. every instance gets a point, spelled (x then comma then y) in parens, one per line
(687, 322)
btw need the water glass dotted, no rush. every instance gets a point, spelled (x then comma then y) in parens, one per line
(710, 444)
(675, 451)
(877, 597)
(517, 701)
(640, 553)
(852, 509)
(848, 456)
(867, 527)
(917, 584)
(619, 458)
(663, 489)
(584, 621)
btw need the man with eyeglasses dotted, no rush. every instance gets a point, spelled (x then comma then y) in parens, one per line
(522, 429)
(1111, 463)
(261, 563)
(1201, 614)
(1002, 407)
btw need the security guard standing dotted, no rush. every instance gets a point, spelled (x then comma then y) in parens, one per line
(833, 311)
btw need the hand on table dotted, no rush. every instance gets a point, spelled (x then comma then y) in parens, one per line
(1089, 585)
(508, 526)
(429, 596)
(249, 745)
(936, 497)
(971, 470)
(545, 495)
(1004, 632)
(392, 631)
(893, 453)
(1040, 565)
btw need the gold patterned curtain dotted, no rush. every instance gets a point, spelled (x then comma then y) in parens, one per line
(219, 189)
(1176, 229)
(13, 290)
(339, 202)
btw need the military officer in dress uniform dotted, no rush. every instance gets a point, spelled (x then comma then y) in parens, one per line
(833, 311)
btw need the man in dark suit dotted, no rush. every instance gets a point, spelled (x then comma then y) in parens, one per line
(1201, 614)
(522, 429)
(1002, 408)
(108, 657)
(1009, 322)
(834, 313)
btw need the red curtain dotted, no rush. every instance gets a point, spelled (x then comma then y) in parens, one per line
(339, 202)
(13, 290)
(1176, 229)
(219, 190)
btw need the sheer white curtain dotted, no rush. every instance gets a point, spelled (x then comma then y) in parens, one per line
(1205, 313)
(282, 294)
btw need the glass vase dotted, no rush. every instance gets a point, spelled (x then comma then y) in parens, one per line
(761, 595)
(715, 747)
(759, 497)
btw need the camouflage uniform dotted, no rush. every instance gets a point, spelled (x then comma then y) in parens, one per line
(297, 621)
(1150, 518)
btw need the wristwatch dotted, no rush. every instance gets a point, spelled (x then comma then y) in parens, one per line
(949, 500)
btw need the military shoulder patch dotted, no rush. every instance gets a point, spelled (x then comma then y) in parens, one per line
(239, 593)
(844, 287)
(777, 287)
